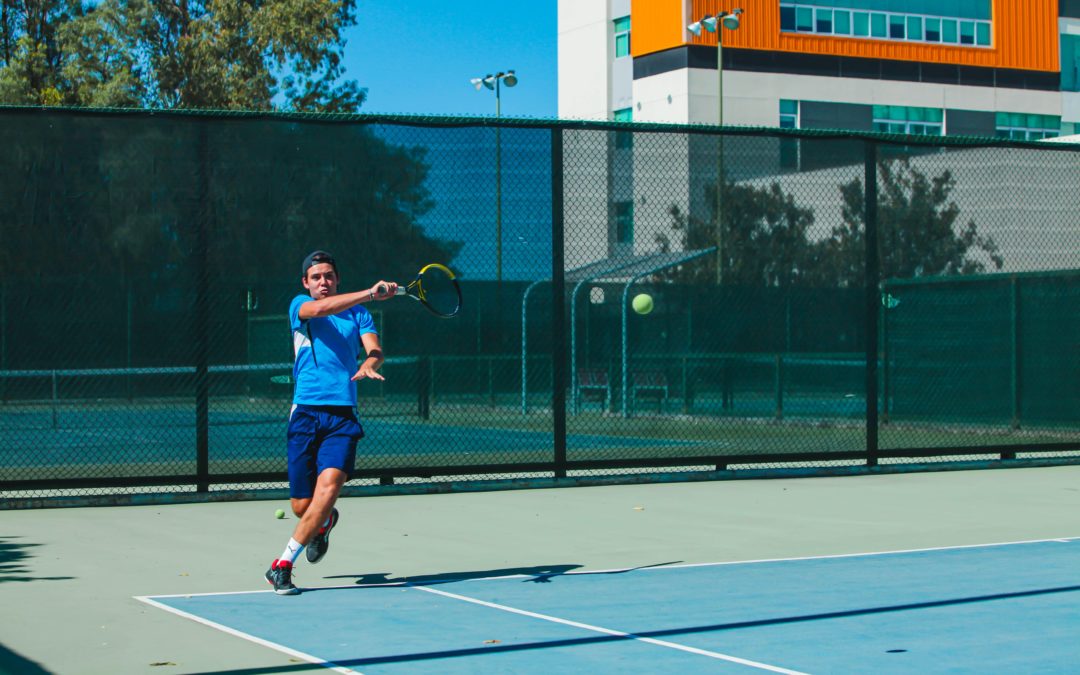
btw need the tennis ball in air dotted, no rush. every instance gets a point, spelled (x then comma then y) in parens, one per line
(279, 514)
(642, 303)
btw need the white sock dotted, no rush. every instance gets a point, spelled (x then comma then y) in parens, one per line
(292, 551)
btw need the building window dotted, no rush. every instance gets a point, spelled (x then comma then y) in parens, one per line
(896, 27)
(877, 25)
(861, 23)
(624, 222)
(624, 139)
(1027, 127)
(949, 33)
(787, 18)
(1070, 62)
(804, 19)
(842, 22)
(789, 114)
(914, 28)
(622, 36)
(824, 21)
(933, 30)
(966, 23)
(898, 119)
(967, 33)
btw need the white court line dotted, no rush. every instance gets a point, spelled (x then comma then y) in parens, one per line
(259, 641)
(406, 582)
(617, 633)
(1063, 540)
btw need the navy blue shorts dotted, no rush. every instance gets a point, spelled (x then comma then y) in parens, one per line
(320, 437)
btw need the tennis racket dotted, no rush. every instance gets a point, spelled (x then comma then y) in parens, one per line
(436, 288)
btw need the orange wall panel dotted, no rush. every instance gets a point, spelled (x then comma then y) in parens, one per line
(1027, 39)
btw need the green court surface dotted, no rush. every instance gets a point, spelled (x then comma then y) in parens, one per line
(74, 574)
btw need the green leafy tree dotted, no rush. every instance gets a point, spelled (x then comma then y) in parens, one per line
(215, 54)
(763, 241)
(765, 238)
(917, 230)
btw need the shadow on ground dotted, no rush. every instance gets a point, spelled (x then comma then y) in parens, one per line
(13, 561)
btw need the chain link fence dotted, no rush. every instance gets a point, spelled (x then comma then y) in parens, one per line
(800, 319)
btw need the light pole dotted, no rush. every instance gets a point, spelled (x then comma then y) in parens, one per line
(494, 82)
(713, 24)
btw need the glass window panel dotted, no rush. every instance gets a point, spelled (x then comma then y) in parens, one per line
(933, 30)
(622, 45)
(842, 22)
(824, 21)
(967, 32)
(897, 112)
(914, 28)
(878, 25)
(789, 107)
(897, 127)
(881, 112)
(624, 115)
(804, 18)
(916, 114)
(622, 24)
(1017, 119)
(982, 34)
(881, 126)
(948, 31)
(787, 122)
(787, 18)
(861, 23)
(936, 115)
(1001, 119)
(896, 27)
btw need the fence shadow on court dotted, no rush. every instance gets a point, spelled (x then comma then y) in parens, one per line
(13, 557)
(539, 574)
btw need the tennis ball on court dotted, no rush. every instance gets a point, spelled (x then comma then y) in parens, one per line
(642, 303)
(279, 514)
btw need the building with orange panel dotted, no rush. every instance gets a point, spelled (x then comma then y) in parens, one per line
(1005, 68)
(938, 67)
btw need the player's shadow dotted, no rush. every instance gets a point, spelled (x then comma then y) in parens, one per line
(13, 558)
(538, 574)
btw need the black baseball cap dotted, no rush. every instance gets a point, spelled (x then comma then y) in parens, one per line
(315, 258)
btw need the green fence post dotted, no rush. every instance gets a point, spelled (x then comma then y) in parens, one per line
(201, 323)
(779, 386)
(558, 304)
(3, 343)
(1015, 370)
(872, 298)
(884, 320)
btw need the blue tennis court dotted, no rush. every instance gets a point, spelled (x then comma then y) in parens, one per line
(991, 608)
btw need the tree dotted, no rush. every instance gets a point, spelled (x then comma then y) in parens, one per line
(766, 243)
(917, 230)
(211, 54)
(763, 243)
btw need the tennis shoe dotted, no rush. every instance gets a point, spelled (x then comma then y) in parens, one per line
(320, 543)
(280, 577)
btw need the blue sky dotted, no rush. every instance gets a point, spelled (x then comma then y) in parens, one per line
(417, 57)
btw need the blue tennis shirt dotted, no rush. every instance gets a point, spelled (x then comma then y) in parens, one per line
(325, 351)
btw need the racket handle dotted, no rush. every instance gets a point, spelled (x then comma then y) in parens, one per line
(399, 291)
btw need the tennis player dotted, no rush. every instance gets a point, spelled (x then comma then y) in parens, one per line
(328, 330)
